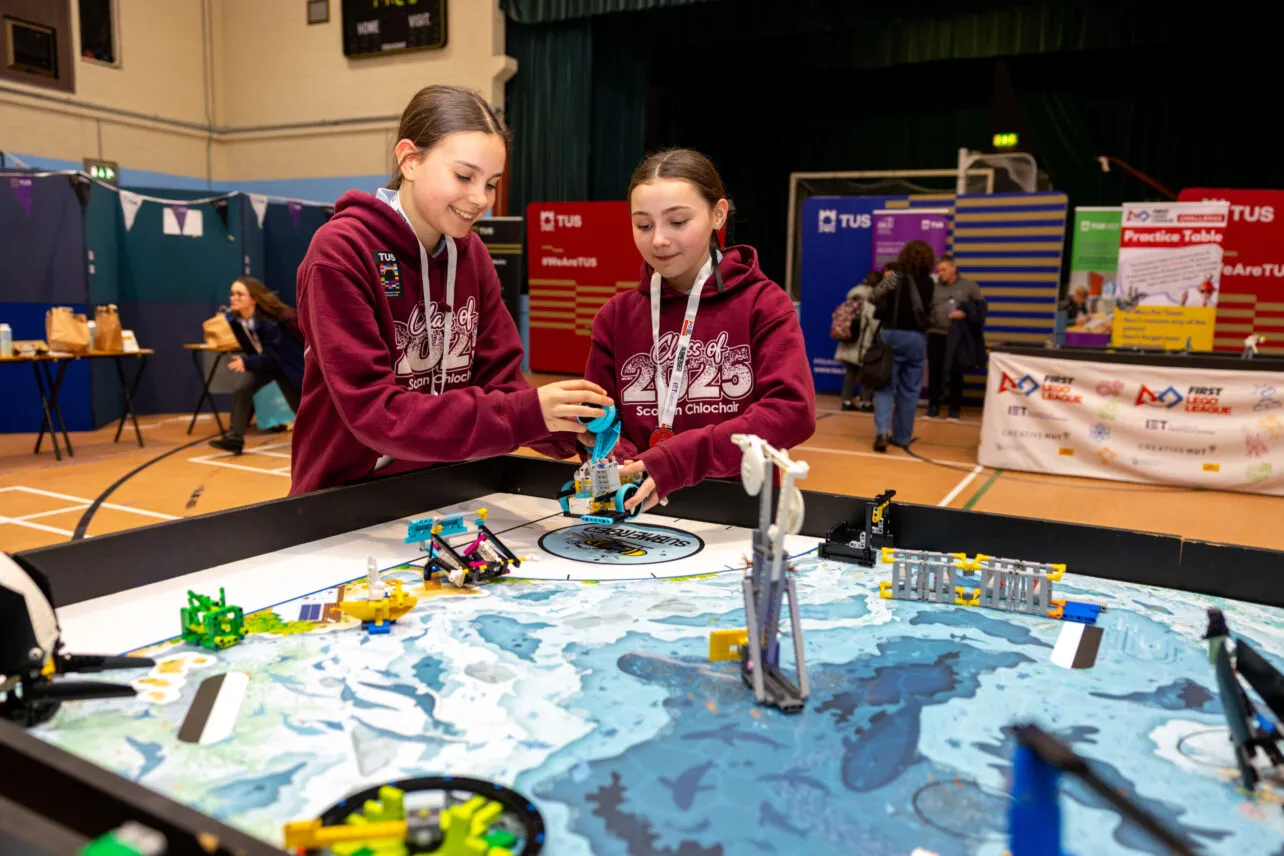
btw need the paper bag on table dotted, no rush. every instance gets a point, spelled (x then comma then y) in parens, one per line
(66, 330)
(107, 330)
(218, 333)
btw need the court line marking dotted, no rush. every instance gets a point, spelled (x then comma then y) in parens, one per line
(40, 526)
(88, 502)
(51, 513)
(883, 456)
(958, 488)
(209, 459)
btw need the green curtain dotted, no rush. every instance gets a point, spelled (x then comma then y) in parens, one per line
(543, 11)
(621, 82)
(548, 105)
(1204, 128)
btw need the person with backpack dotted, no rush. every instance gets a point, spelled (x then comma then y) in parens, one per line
(272, 350)
(854, 326)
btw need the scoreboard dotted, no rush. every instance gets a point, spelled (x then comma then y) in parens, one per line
(374, 27)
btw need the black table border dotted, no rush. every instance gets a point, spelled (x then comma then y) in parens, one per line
(81, 570)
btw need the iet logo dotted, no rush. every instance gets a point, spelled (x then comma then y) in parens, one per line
(1026, 386)
(1017, 410)
(1169, 398)
(1156, 424)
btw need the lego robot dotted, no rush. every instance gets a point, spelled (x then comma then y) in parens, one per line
(847, 543)
(598, 492)
(1250, 730)
(481, 556)
(32, 656)
(767, 580)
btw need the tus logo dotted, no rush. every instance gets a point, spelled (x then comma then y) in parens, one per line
(1168, 399)
(827, 220)
(1026, 386)
(550, 220)
(929, 225)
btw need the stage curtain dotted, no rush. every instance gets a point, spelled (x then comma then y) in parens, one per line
(548, 105)
(543, 11)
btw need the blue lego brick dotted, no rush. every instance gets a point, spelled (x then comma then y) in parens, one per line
(453, 525)
(595, 518)
(1084, 613)
(419, 531)
(379, 629)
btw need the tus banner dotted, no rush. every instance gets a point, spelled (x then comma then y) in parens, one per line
(837, 254)
(1094, 263)
(1201, 428)
(1170, 269)
(579, 255)
(894, 228)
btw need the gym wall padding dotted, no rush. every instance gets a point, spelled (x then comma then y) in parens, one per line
(102, 227)
(169, 284)
(21, 413)
(286, 237)
(42, 266)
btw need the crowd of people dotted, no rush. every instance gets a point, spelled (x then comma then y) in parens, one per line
(402, 353)
(915, 314)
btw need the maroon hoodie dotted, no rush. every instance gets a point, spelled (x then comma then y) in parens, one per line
(373, 359)
(747, 372)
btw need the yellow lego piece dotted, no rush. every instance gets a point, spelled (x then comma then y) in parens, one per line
(889, 554)
(961, 598)
(464, 825)
(1057, 571)
(483, 513)
(726, 644)
(311, 835)
(885, 589)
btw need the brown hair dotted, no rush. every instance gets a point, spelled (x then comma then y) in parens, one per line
(916, 258)
(437, 111)
(685, 165)
(267, 301)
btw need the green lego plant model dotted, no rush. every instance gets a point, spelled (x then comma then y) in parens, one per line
(211, 624)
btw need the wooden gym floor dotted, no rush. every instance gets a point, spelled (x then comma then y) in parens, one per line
(45, 502)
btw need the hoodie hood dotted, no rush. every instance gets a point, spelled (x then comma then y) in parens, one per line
(739, 268)
(385, 224)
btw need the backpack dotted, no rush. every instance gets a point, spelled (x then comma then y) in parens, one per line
(844, 325)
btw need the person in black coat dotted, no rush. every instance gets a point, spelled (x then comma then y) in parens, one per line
(272, 350)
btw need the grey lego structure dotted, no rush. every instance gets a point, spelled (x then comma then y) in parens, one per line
(1006, 584)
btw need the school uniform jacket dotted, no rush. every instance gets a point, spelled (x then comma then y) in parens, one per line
(372, 380)
(746, 372)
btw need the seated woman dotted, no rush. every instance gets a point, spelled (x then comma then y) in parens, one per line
(269, 336)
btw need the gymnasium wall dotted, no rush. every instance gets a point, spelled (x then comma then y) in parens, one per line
(245, 95)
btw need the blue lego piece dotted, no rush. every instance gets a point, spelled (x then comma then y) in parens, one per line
(452, 525)
(419, 531)
(378, 629)
(596, 518)
(606, 431)
(1084, 613)
(1034, 820)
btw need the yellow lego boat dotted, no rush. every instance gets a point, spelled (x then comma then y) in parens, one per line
(386, 609)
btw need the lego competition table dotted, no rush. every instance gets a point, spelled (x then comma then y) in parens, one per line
(1201, 420)
(582, 679)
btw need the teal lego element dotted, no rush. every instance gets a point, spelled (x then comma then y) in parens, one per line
(622, 496)
(211, 624)
(564, 496)
(596, 518)
(606, 432)
(452, 525)
(419, 531)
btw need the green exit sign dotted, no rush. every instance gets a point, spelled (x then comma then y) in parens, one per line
(108, 171)
(1005, 141)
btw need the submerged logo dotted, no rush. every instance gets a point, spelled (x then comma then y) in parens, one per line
(621, 544)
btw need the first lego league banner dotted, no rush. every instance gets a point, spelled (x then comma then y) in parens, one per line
(1201, 428)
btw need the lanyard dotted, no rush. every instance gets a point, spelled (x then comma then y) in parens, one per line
(452, 257)
(667, 392)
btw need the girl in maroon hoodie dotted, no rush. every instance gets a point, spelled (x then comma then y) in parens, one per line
(411, 356)
(733, 333)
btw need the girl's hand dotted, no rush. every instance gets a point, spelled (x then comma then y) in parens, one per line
(236, 364)
(645, 494)
(562, 403)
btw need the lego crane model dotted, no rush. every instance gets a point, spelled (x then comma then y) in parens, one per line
(31, 653)
(768, 579)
